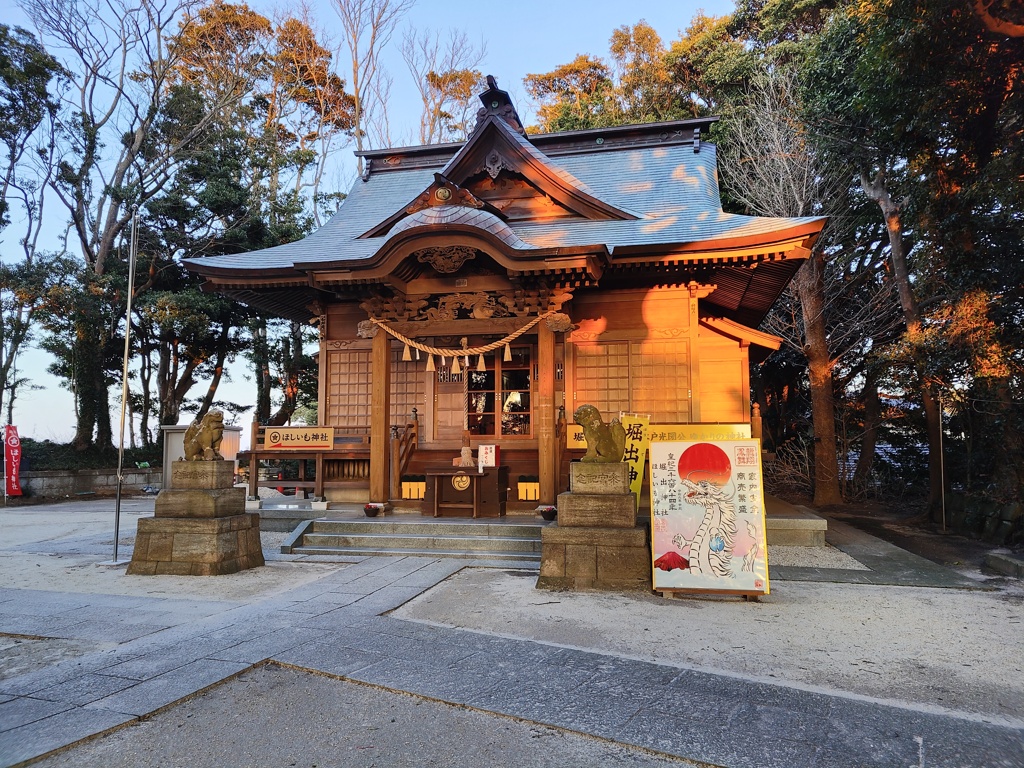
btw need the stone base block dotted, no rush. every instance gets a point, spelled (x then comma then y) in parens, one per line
(594, 558)
(592, 510)
(202, 474)
(798, 528)
(598, 478)
(196, 546)
(192, 502)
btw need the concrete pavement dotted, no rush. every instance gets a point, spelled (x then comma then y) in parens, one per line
(305, 664)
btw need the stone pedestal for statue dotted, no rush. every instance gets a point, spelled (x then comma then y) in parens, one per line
(596, 543)
(200, 526)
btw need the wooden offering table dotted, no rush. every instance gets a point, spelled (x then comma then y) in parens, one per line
(465, 492)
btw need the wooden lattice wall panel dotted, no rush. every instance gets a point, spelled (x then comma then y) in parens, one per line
(348, 388)
(602, 376)
(649, 377)
(660, 380)
(408, 387)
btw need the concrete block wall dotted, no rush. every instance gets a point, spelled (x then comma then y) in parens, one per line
(63, 483)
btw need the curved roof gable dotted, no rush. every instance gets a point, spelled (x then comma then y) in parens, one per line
(494, 147)
(497, 145)
(454, 216)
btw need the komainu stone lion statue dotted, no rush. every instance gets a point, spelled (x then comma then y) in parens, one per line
(202, 438)
(605, 442)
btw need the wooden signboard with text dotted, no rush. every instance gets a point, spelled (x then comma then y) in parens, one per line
(298, 438)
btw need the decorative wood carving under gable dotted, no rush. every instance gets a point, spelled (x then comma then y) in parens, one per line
(516, 198)
(444, 192)
(446, 259)
(480, 305)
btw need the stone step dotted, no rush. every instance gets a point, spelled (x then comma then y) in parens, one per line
(403, 541)
(798, 527)
(476, 540)
(429, 527)
(506, 558)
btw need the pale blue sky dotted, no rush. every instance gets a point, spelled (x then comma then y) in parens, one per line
(529, 36)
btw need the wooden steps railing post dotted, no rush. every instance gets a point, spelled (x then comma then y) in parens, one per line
(254, 460)
(396, 463)
(318, 489)
(755, 421)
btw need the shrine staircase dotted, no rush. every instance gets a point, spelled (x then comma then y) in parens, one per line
(505, 541)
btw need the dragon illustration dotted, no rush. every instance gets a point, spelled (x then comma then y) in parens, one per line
(711, 545)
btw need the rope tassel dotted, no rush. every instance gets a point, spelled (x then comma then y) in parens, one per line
(430, 363)
(508, 354)
(481, 365)
(406, 354)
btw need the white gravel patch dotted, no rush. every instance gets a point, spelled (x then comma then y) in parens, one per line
(813, 557)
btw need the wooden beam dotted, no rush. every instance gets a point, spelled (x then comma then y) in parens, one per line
(544, 413)
(695, 352)
(380, 416)
(492, 327)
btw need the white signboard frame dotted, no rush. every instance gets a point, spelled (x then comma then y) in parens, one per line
(707, 517)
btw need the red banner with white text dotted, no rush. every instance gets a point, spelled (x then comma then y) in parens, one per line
(12, 461)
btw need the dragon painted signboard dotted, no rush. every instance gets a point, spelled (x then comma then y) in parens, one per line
(707, 517)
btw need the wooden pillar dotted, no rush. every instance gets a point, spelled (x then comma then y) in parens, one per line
(544, 413)
(380, 416)
(694, 343)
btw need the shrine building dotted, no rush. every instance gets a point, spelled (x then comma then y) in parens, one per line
(488, 288)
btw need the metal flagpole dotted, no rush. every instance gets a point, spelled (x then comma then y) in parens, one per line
(132, 247)
(942, 465)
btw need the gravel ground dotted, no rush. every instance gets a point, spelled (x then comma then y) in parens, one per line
(931, 648)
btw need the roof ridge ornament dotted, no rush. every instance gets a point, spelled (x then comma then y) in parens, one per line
(498, 103)
(443, 191)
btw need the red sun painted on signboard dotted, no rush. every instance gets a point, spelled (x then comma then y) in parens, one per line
(705, 461)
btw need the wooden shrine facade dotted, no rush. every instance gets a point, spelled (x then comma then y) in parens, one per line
(491, 287)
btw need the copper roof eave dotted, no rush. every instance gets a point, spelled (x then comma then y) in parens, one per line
(386, 260)
(241, 274)
(741, 332)
(800, 237)
(232, 280)
(291, 303)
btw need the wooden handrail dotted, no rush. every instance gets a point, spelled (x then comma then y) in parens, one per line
(403, 446)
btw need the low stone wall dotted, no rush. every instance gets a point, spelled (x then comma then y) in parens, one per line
(999, 523)
(60, 484)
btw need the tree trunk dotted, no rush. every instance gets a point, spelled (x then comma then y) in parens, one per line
(810, 287)
(84, 363)
(218, 370)
(876, 190)
(104, 431)
(261, 369)
(145, 377)
(291, 361)
(872, 416)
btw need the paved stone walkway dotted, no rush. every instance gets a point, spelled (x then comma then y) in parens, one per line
(168, 650)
